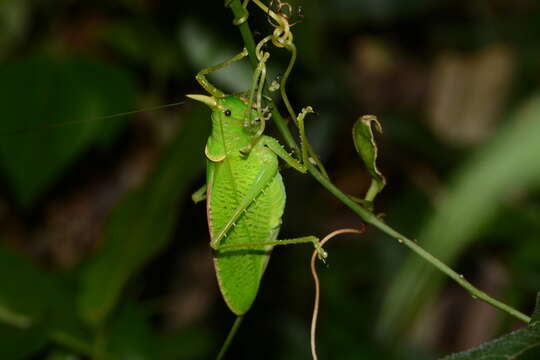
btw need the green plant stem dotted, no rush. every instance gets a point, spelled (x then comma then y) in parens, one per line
(7, 316)
(364, 214)
(230, 337)
(249, 43)
(370, 218)
(71, 343)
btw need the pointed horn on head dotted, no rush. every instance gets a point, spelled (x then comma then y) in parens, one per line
(208, 100)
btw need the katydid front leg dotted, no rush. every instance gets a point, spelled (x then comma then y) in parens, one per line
(276, 147)
(199, 194)
(201, 75)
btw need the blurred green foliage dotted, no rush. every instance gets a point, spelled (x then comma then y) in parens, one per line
(103, 255)
(47, 91)
(510, 346)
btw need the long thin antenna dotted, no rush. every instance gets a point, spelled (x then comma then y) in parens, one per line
(64, 123)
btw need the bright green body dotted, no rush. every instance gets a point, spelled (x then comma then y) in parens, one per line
(245, 196)
(231, 178)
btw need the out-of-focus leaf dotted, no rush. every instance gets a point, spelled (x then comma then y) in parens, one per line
(357, 11)
(14, 16)
(509, 346)
(365, 145)
(9, 316)
(505, 166)
(37, 92)
(20, 343)
(192, 344)
(61, 355)
(143, 43)
(34, 304)
(143, 223)
(26, 292)
(506, 347)
(131, 334)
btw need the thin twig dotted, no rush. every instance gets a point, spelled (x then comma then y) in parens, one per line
(230, 337)
(370, 218)
(318, 286)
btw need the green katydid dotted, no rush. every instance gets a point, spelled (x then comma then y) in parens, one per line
(245, 195)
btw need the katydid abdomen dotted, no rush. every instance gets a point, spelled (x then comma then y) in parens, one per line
(245, 195)
(239, 271)
(245, 202)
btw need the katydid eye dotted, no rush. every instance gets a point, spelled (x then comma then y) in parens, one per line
(227, 112)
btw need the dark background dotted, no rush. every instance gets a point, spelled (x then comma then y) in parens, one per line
(99, 237)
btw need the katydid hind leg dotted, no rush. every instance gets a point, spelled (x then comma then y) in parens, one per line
(262, 180)
(322, 254)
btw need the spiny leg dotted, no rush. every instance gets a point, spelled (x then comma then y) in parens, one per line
(278, 149)
(201, 75)
(307, 152)
(306, 147)
(262, 180)
(300, 240)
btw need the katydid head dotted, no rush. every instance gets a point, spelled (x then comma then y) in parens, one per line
(230, 111)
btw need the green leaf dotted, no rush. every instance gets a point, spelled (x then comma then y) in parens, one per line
(131, 334)
(62, 355)
(509, 346)
(186, 344)
(38, 92)
(20, 343)
(27, 294)
(33, 304)
(143, 223)
(505, 166)
(14, 22)
(365, 145)
(506, 347)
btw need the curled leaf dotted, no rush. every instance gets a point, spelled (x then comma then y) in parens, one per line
(365, 145)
